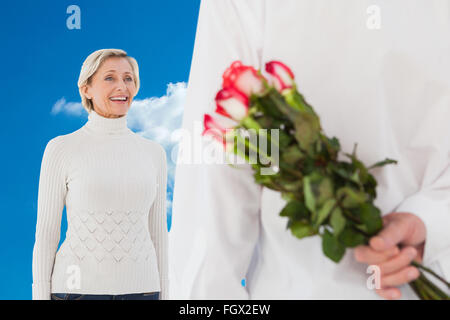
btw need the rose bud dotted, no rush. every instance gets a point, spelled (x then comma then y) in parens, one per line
(232, 103)
(215, 130)
(243, 78)
(282, 76)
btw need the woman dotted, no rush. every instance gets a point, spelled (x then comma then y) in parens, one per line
(113, 183)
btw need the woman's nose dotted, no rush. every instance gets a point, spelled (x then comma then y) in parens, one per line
(122, 85)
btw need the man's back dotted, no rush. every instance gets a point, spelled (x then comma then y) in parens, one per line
(377, 75)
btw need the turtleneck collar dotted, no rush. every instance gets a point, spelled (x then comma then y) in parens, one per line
(107, 126)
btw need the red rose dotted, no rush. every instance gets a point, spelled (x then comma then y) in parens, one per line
(232, 103)
(214, 129)
(282, 76)
(243, 78)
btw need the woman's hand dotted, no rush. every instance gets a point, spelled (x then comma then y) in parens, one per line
(400, 242)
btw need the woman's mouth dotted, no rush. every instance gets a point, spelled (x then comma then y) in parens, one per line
(119, 99)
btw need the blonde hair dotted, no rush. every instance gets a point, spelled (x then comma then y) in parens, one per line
(91, 65)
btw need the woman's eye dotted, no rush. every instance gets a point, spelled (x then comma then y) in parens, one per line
(129, 79)
(108, 78)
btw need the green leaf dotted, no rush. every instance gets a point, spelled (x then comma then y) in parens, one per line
(296, 100)
(325, 190)
(343, 170)
(337, 221)
(310, 199)
(382, 163)
(267, 106)
(324, 212)
(355, 177)
(350, 238)
(370, 186)
(292, 154)
(274, 104)
(305, 120)
(284, 139)
(361, 227)
(292, 185)
(329, 147)
(334, 144)
(264, 122)
(319, 146)
(301, 229)
(331, 247)
(308, 166)
(317, 189)
(262, 179)
(342, 173)
(307, 130)
(360, 173)
(288, 196)
(296, 210)
(371, 217)
(351, 198)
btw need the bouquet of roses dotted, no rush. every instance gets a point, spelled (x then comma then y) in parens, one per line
(326, 197)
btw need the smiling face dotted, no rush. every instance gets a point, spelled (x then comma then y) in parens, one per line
(112, 88)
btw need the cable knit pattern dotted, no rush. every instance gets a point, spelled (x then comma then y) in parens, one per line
(113, 184)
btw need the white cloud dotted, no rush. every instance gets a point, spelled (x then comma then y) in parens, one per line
(157, 117)
(70, 108)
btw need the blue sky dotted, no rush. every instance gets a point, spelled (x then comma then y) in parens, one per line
(41, 62)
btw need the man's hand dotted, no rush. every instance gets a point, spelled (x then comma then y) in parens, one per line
(400, 242)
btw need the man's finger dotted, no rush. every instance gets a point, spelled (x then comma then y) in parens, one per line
(399, 278)
(392, 234)
(366, 254)
(389, 293)
(399, 262)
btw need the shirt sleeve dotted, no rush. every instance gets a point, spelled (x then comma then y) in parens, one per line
(158, 225)
(51, 201)
(432, 205)
(216, 209)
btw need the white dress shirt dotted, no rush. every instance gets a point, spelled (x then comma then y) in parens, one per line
(377, 73)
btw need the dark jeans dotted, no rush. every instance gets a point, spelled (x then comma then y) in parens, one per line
(131, 296)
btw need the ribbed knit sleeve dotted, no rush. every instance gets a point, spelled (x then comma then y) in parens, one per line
(51, 200)
(158, 225)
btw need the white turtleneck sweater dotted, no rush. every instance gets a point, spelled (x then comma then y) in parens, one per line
(113, 183)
